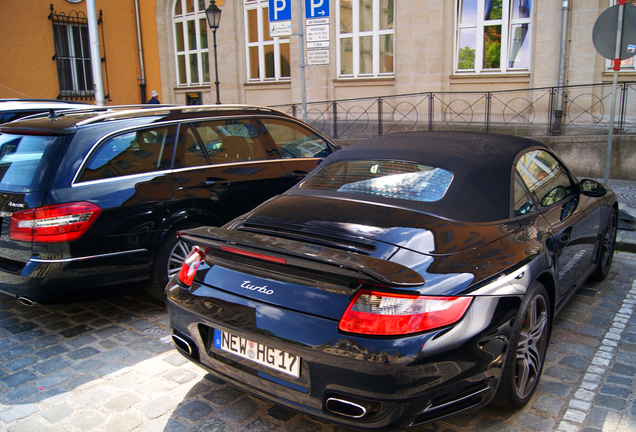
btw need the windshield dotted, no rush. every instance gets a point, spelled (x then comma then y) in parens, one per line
(389, 179)
(25, 161)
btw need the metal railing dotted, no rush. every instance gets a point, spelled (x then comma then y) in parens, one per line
(527, 112)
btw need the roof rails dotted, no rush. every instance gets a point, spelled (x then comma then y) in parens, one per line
(131, 111)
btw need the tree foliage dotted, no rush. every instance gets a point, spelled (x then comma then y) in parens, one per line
(466, 58)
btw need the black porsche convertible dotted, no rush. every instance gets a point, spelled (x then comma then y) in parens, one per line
(410, 277)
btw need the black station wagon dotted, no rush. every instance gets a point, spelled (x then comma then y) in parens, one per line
(96, 197)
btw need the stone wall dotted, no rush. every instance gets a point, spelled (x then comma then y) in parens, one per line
(585, 155)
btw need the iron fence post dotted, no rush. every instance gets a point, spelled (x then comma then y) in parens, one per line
(488, 97)
(551, 110)
(430, 112)
(380, 130)
(623, 107)
(335, 120)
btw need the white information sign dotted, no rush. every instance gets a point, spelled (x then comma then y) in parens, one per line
(317, 30)
(317, 57)
(317, 33)
(280, 28)
(316, 21)
(314, 45)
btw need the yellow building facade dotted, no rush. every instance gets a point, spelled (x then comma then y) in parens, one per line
(45, 50)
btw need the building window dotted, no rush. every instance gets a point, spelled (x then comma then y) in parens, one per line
(267, 57)
(366, 38)
(191, 42)
(493, 35)
(72, 55)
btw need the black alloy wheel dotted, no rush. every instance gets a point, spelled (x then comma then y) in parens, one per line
(608, 246)
(168, 261)
(527, 351)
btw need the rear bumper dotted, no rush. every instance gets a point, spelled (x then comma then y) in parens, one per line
(402, 382)
(73, 279)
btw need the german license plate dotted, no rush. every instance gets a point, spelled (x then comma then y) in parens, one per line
(272, 358)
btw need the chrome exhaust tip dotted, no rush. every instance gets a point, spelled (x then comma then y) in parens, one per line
(182, 344)
(345, 408)
(26, 301)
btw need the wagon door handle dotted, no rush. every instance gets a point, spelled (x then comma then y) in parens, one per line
(299, 173)
(215, 181)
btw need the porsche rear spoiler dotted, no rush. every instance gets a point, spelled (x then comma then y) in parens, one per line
(296, 253)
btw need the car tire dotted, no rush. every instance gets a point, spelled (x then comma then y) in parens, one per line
(608, 245)
(526, 353)
(167, 262)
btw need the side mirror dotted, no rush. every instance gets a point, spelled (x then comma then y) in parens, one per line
(592, 188)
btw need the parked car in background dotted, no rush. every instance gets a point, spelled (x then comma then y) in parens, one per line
(14, 109)
(94, 198)
(410, 277)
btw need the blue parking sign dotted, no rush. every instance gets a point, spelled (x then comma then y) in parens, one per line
(279, 10)
(316, 9)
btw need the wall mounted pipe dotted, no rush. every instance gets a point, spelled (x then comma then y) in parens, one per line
(142, 84)
(560, 94)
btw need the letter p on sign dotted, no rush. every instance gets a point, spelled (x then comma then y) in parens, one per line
(279, 10)
(316, 9)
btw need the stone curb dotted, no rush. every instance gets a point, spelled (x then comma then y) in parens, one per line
(625, 245)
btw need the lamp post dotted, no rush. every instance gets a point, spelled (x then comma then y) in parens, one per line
(214, 18)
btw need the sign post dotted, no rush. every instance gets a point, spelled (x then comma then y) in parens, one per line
(614, 37)
(302, 61)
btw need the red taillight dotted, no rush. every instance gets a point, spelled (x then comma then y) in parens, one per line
(377, 313)
(53, 224)
(190, 266)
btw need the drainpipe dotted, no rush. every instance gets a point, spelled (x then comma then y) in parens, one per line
(560, 100)
(142, 84)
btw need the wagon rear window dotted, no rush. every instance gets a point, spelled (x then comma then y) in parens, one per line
(388, 179)
(24, 160)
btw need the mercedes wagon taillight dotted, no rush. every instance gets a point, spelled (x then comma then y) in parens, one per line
(190, 266)
(378, 313)
(53, 224)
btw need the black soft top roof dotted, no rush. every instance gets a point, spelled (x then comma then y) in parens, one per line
(481, 165)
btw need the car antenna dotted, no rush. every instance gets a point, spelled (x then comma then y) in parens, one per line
(53, 114)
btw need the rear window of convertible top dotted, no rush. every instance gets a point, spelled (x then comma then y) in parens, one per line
(388, 179)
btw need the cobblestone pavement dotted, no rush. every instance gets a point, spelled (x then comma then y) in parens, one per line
(109, 365)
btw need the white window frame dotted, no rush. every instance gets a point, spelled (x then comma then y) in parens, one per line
(356, 34)
(506, 22)
(195, 16)
(275, 42)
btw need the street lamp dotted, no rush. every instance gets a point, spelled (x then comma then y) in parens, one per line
(214, 18)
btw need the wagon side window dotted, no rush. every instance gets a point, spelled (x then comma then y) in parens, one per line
(230, 140)
(294, 141)
(136, 152)
(547, 180)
